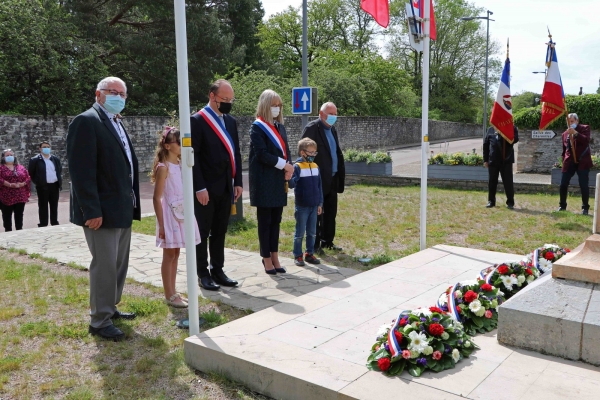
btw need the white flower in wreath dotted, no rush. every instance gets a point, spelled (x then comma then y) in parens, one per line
(428, 350)
(458, 294)
(530, 278)
(445, 336)
(494, 303)
(536, 273)
(414, 354)
(544, 264)
(508, 281)
(383, 330)
(455, 355)
(528, 258)
(418, 341)
(475, 306)
(551, 246)
(467, 344)
(520, 280)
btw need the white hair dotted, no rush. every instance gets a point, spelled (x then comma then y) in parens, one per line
(573, 115)
(110, 79)
(325, 105)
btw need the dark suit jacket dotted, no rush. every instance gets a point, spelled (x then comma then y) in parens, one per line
(582, 147)
(212, 165)
(315, 130)
(37, 170)
(100, 172)
(267, 183)
(492, 148)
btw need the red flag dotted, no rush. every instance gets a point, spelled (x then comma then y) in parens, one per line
(421, 5)
(379, 9)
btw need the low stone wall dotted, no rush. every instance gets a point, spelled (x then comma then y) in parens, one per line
(539, 155)
(24, 133)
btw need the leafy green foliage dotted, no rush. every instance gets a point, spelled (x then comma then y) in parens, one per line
(471, 159)
(585, 106)
(524, 100)
(353, 155)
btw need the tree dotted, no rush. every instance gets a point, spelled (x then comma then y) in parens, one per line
(457, 58)
(525, 99)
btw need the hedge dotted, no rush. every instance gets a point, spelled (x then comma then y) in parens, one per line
(587, 107)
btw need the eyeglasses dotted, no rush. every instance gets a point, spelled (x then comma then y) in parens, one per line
(225, 99)
(313, 154)
(115, 93)
(178, 141)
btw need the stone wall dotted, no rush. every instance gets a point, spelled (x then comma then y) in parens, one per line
(539, 155)
(24, 133)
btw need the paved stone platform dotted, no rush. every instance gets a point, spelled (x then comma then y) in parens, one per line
(582, 264)
(256, 290)
(316, 346)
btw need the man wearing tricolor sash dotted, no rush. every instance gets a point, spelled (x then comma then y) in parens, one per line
(217, 181)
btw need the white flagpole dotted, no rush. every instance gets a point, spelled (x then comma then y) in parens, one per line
(425, 123)
(187, 162)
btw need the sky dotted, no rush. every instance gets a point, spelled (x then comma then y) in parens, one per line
(575, 29)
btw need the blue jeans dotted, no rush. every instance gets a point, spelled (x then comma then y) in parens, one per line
(306, 221)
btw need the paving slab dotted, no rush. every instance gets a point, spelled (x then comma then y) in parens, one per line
(256, 290)
(297, 350)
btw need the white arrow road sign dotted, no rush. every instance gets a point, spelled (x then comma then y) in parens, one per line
(304, 99)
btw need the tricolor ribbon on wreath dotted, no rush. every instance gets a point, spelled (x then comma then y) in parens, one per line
(392, 340)
(451, 303)
(218, 127)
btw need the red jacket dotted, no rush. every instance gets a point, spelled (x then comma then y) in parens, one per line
(582, 148)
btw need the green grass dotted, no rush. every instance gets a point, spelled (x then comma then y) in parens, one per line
(44, 318)
(382, 223)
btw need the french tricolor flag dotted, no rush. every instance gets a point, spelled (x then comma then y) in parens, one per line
(502, 118)
(553, 96)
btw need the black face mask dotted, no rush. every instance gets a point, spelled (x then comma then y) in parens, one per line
(224, 108)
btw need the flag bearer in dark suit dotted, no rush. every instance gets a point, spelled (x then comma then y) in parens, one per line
(333, 172)
(45, 171)
(217, 181)
(498, 158)
(579, 135)
(104, 199)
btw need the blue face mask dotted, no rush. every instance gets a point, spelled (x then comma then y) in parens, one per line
(46, 150)
(9, 159)
(331, 119)
(573, 126)
(114, 103)
(310, 158)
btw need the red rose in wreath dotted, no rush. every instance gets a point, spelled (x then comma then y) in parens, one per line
(437, 310)
(403, 321)
(384, 363)
(549, 256)
(470, 296)
(398, 336)
(503, 269)
(529, 271)
(567, 250)
(436, 329)
(486, 287)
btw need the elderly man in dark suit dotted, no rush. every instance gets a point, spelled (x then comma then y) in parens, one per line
(498, 158)
(217, 181)
(330, 160)
(576, 142)
(104, 200)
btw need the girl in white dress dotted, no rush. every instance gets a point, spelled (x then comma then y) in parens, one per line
(168, 206)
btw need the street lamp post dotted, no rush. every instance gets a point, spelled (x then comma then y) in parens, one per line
(487, 49)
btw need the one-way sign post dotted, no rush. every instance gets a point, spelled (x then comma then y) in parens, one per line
(302, 100)
(543, 134)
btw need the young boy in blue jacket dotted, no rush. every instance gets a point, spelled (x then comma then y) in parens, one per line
(306, 182)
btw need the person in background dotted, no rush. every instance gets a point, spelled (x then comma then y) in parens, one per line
(306, 182)
(14, 190)
(498, 158)
(268, 172)
(45, 171)
(576, 141)
(333, 172)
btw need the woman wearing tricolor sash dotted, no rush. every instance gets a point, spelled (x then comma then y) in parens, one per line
(269, 171)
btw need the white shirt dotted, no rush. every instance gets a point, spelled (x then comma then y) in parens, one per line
(50, 170)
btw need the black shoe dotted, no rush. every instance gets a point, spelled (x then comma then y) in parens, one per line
(561, 209)
(585, 212)
(269, 271)
(222, 279)
(207, 283)
(311, 259)
(490, 205)
(123, 315)
(331, 246)
(110, 332)
(510, 207)
(281, 270)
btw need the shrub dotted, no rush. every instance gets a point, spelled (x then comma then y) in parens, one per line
(595, 162)
(353, 155)
(585, 106)
(471, 159)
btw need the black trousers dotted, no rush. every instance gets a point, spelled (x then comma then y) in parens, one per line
(584, 186)
(48, 196)
(326, 221)
(506, 173)
(212, 219)
(7, 213)
(269, 220)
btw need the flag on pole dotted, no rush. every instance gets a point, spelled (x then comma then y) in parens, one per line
(553, 96)
(502, 118)
(379, 9)
(420, 4)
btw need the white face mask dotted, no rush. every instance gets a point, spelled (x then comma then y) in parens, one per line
(275, 112)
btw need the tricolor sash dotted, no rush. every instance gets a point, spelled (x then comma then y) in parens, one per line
(451, 303)
(272, 134)
(218, 127)
(392, 341)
